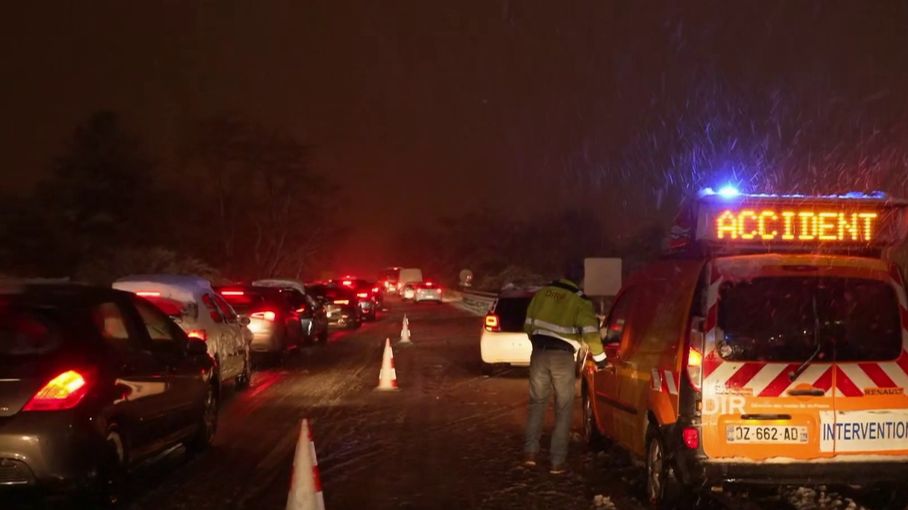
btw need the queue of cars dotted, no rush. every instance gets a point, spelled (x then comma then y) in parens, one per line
(95, 380)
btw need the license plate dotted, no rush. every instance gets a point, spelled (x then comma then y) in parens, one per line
(765, 434)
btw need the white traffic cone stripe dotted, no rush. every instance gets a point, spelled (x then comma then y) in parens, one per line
(305, 482)
(387, 377)
(405, 331)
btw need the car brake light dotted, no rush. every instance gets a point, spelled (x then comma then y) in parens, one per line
(375, 290)
(267, 315)
(492, 323)
(691, 437)
(301, 309)
(362, 295)
(201, 334)
(341, 301)
(428, 284)
(62, 392)
(148, 293)
(347, 283)
(233, 293)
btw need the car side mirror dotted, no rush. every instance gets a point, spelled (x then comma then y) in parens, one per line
(244, 320)
(196, 347)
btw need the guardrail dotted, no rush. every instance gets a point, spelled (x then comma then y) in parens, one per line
(476, 301)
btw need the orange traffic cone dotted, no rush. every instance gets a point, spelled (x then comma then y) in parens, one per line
(305, 482)
(387, 378)
(405, 332)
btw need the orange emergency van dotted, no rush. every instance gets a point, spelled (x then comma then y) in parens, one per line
(769, 345)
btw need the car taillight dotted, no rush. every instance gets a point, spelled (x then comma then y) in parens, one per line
(301, 310)
(375, 290)
(233, 293)
(148, 293)
(267, 315)
(691, 437)
(201, 334)
(341, 301)
(694, 366)
(62, 392)
(492, 323)
(347, 283)
(362, 295)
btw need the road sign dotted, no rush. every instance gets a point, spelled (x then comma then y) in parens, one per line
(602, 276)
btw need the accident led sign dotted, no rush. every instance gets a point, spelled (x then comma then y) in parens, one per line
(796, 225)
(792, 223)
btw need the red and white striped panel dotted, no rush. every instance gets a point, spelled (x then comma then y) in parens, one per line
(664, 381)
(771, 379)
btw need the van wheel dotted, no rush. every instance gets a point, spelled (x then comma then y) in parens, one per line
(591, 435)
(663, 489)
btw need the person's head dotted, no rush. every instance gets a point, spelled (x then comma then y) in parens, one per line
(573, 271)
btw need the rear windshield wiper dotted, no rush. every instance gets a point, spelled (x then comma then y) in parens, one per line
(816, 352)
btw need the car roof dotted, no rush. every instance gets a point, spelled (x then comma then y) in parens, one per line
(58, 292)
(184, 288)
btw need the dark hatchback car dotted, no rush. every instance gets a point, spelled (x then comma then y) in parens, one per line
(368, 297)
(93, 381)
(341, 304)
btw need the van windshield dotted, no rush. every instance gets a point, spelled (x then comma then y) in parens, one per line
(783, 319)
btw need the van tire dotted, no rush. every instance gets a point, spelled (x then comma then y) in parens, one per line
(663, 489)
(591, 435)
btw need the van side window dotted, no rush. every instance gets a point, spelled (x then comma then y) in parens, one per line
(617, 319)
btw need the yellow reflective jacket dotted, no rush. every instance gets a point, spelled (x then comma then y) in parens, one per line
(561, 310)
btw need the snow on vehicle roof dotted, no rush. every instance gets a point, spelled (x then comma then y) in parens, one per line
(184, 288)
(851, 195)
(280, 282)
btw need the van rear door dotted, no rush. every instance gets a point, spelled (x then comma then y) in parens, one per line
(871, 407)
(768, 371)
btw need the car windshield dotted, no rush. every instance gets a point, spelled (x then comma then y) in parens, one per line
(251, 300)
(512, 313)
(783, 318)
(338, 293)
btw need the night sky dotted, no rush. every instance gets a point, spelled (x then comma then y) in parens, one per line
(420, 109)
